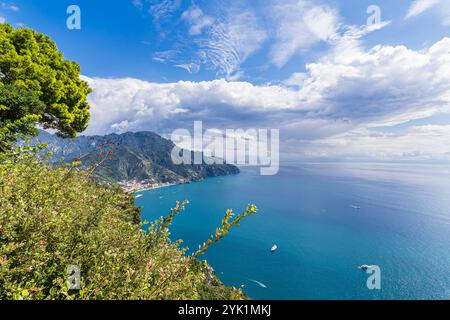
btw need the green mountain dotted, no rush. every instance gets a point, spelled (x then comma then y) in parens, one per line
(140, 156)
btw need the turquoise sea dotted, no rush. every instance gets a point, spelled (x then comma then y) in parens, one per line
(403, 226)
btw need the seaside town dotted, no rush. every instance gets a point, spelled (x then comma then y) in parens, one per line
(148, 184)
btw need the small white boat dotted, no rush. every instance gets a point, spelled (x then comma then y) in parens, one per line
(354, 206)
(364, 267)
(138, 196)
(274, 248)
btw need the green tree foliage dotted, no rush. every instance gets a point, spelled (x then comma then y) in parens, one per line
(19, 112)
(38, 86)
(55, 216)
(229, 221)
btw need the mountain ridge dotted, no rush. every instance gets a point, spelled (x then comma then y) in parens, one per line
(132, 156)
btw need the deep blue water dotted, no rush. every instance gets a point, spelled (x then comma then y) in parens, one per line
(403, 226)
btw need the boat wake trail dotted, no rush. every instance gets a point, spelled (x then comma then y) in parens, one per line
(262, 285)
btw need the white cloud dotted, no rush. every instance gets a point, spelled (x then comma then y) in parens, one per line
(221, 43)
(197, 20)
(298, 26)
(161, 12)
(383, 83)
(9, 6)
(336, 101)
(163, 9)
(2, 19)
(154, 106)
(378, 85)
(224, 38)
(420, 6)
(301, 24)
(440, 8)
(231, 41)
(189, 67)
(165, 56)
(138, 4)
(416, 143)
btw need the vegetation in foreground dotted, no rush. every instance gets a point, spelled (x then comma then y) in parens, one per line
(55, 216)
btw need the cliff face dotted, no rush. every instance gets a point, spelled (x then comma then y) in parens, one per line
(134, 156)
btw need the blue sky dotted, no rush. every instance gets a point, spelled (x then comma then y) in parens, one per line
(124, 39)
(335, 86)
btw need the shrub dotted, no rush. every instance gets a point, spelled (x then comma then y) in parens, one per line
(55, 216)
